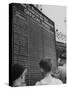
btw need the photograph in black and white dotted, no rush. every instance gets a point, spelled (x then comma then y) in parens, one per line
(37, 45)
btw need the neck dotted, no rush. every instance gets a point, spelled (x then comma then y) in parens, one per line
(46, 75)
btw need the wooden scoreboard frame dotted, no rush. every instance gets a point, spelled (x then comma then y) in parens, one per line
(31, 38)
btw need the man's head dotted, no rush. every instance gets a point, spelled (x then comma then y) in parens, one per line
(63, 58)
(45, 65)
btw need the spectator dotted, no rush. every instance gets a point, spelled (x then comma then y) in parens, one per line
(62, 69)
(18, 75)
(45, 67)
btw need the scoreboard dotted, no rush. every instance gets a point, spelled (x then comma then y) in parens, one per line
(33, 38)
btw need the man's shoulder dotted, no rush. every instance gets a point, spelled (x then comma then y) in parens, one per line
(51, 81)
(41, 82)
(57, 81)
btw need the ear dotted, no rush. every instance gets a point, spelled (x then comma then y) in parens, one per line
(41, 70)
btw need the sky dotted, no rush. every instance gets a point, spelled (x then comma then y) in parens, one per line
(57, 14)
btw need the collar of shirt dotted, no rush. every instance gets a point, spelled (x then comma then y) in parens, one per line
(46, 79)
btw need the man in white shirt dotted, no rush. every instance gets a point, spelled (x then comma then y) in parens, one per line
(61, 70)
(62, 74)
(45, 67)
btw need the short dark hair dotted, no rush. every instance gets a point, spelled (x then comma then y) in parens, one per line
(63, 56)
(17, 70)
(46, 65)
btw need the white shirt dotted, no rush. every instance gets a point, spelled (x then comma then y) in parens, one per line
(62, 72)
(49, 80)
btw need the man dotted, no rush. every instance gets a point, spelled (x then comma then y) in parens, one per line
(62, 69)
(18, 75)
(45, 68)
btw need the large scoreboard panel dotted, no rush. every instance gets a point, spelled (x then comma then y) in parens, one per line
(33, 39)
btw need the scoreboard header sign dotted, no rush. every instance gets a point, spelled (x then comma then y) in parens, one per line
(37, 15)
